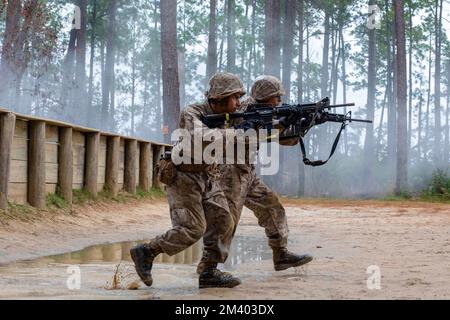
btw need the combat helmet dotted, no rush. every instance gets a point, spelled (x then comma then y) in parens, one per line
(266, 87)
(223, 85)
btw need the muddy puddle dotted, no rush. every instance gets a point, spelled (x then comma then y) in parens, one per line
(107, 271)
(244, 249)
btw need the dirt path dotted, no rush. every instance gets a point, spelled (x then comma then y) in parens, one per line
(409, 243)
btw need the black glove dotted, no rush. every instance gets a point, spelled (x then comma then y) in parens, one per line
(251, 124)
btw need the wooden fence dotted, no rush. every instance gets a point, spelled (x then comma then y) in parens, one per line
(40, 156)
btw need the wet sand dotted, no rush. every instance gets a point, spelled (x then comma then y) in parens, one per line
(408, 242)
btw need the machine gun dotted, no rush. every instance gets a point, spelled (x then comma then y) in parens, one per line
(298, 118)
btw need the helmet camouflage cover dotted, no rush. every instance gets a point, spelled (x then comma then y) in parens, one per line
(223, 85)
(266, 87)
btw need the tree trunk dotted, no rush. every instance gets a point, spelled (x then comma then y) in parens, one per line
(301, 22)
(12, 29)
(171, 85)
(344, 83)
(211, 67)
(419, 124)
(301, 19)
(252, 54)
(157, 70)
(105, 91)
(272, 57)
(427, 112)
(108, 107)
(288, 46)
(133, 79)
(392, 112)
(222, 38)
(335, 57)
(79, 105)
(322, 133)
(402, 151)
(182, 76)
(437, 85)
(244, 42)
(371, 96)
(91, 113)
(308, 62)
(32, 16)
(231, 37)
(335, 74)
(410, 74)
(145, 125)
(447, 116)
(258, 62)
(326, 48)
(380, 127)
(68, 75)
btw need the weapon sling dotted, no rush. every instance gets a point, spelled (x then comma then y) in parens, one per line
(319, 163)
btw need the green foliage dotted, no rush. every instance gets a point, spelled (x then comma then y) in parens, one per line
(154, 193)
(106, 195)
(439, 186)
(123, 197)
(82, 196)
(58, 205)
(402, 196)
(54, 200)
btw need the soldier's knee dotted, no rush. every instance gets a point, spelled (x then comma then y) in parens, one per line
(198, 232)
(191, 222)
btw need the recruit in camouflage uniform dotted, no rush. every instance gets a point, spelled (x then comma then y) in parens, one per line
(197, 202)
(243, 187)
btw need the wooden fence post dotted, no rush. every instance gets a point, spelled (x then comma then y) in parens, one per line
(91, 172)
(7, 126)
(112, 165)
(144, 166)
(65, 164)
(36, 165)
(157, 152)
(129, 179)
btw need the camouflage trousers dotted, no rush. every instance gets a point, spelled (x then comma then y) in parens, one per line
(243, 187)
(196, 201)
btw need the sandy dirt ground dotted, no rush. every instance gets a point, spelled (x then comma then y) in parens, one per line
(407, 242)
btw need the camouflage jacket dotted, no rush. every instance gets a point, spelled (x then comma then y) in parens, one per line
(190, 120)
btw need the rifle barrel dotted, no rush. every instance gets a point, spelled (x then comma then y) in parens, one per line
(342, 105)
(364, 121)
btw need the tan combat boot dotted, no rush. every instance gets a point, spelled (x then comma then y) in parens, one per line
(283, 259)
(143, 256)
(211, 277)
